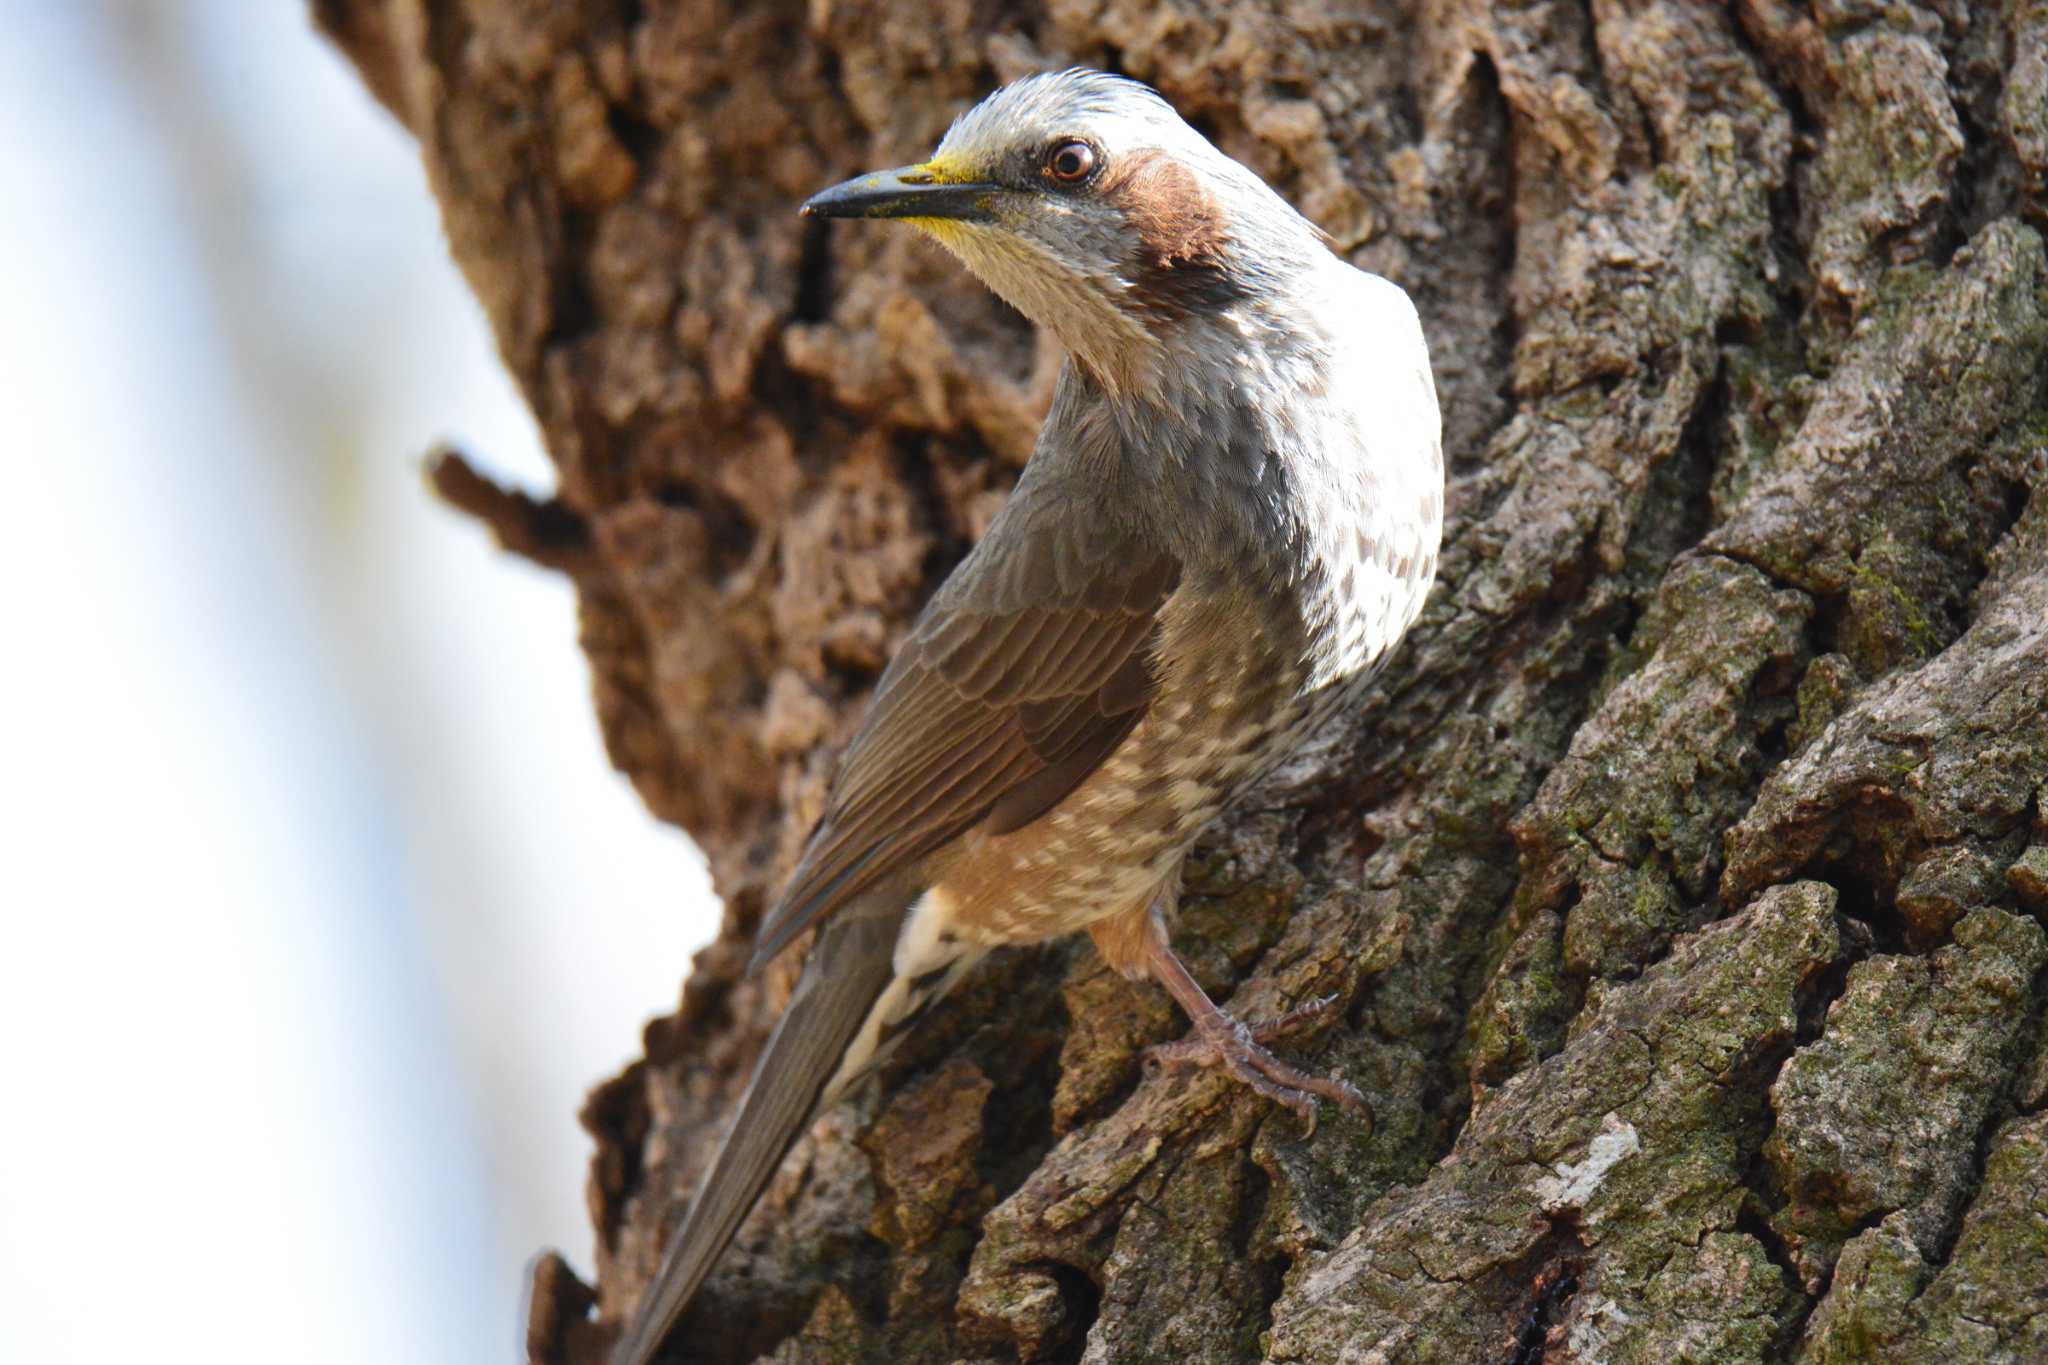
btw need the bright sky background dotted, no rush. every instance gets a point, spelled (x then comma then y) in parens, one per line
(321, 905)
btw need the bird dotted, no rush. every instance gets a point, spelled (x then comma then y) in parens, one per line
(1231, 516)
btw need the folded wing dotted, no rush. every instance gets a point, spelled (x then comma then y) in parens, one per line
(1019, 680)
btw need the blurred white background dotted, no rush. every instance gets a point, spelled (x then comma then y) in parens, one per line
(322, 907)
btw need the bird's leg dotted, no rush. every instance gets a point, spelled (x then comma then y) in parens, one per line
(1221, 1040)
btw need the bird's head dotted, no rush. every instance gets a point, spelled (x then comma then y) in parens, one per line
(1085, 201)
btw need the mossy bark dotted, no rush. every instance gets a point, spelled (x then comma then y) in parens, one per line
(1681, 881)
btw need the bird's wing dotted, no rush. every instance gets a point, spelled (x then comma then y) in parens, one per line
(1029, 667)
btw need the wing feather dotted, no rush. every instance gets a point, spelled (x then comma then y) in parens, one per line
(1032, 663)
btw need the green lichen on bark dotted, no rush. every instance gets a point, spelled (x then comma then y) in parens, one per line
(1649, 1108)
(1986, 1305)
(1881, 1114)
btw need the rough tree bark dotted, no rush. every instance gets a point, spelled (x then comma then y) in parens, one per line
(1682, 881)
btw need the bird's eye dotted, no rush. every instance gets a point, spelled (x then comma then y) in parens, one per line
(1070, 162)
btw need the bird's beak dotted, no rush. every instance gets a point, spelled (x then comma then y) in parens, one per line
(906, 192)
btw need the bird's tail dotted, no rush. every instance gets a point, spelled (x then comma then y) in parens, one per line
(827, 1037)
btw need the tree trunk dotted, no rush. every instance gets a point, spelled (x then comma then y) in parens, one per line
(1681, 881)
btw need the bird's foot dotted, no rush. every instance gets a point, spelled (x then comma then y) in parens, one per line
(1237, 1047)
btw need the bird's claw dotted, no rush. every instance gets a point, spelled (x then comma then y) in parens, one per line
(1281, 1025)
(1237, 1048)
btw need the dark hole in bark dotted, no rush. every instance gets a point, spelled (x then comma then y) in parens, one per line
(1549, 1298)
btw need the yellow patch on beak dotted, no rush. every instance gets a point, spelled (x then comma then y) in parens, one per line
(945, 170)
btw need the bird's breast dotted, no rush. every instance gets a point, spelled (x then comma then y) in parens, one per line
(1231, 673)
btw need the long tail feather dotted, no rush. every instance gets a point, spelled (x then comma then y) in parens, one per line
(848, 971)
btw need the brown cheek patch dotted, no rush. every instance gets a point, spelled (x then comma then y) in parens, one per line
(1179, 264)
